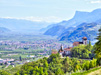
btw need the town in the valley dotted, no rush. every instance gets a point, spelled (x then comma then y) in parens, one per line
(23, 52)
(19, 52)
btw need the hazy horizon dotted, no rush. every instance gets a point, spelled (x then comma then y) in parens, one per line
(45, 10)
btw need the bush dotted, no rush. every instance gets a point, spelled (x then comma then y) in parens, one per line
(4, 73)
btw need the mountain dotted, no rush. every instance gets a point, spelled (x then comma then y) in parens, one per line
(3, 29)
(48, 27)
(19, 25)
(55, 30)
(79, 18)
(66, 32)
(88, 30)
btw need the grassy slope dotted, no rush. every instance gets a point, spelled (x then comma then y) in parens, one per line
(98, 72)
(12, 71)
(90, 72)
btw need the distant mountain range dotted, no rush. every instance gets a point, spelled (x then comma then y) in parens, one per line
(82, 24)
(3, 30)
(55, 30)
(24, 26)
(89, 30)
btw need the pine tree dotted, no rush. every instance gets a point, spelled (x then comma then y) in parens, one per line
(90, 44)
(20, 58)
(98, 47)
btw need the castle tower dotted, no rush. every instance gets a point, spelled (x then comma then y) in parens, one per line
(84, 40)
(61, 51)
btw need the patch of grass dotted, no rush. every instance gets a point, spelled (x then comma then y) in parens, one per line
(13, 70)
(98, 72)
(86, 72)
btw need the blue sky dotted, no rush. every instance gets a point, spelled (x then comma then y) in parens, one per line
(45, 10)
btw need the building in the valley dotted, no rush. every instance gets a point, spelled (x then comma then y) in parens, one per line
(1, 60)
(10, 60)
(6, 60)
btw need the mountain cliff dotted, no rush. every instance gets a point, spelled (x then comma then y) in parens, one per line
(81, 17)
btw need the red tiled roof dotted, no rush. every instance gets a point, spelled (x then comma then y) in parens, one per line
(54, 52)
(75, 43)
(61, 51)
(68, 49)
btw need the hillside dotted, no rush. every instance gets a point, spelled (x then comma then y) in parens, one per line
(89, 30)
(20, 25)
(3, 29)
(55, 31)
(93, 71)
(54, 65)
(78, 26)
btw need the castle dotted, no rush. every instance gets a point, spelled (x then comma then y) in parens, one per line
(67, 51)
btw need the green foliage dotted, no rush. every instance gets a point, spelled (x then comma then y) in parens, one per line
(4, 73)
(93, 63)
(59, 72)
(53, 57)
(20, 58)
(98, 48)
(82, 51)
(86, 72)
(98, 61)
(54, 65)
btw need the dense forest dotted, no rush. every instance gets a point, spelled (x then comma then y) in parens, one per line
(54, 65)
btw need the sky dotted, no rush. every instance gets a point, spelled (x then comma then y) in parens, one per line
(45, 10)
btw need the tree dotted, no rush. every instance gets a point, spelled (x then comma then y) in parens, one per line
(67, 65)
(20, 58)
(80, 52)
(87, 65)
(53, 57)
(45, 71)
(59, 72)
(45, 64)
(98, 48)
(4, 73)
(40, 71)
(89, 46)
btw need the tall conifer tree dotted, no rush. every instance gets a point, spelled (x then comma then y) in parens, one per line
(98, 47)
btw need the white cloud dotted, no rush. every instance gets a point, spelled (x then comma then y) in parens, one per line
(38, 19)
(95, 1)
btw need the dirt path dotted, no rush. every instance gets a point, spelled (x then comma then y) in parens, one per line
(98, 72)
